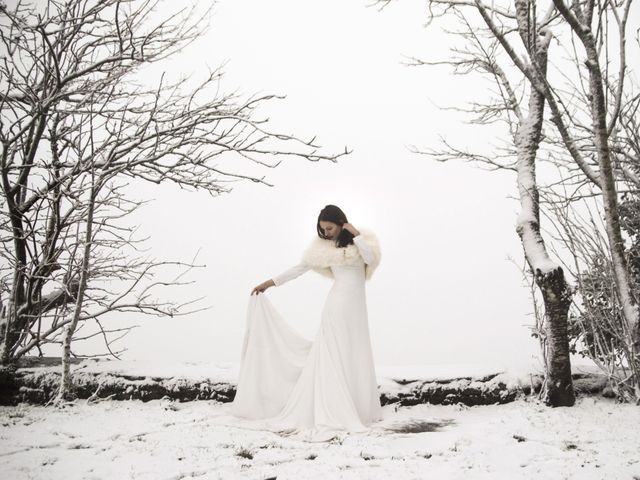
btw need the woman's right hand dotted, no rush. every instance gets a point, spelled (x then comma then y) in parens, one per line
(262, 287)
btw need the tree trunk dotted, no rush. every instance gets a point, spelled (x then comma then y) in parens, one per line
(548, 275)
(558, 391)
(630, 310)
(5, 328)
(65, 391)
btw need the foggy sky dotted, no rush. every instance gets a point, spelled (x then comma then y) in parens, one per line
(449, 288)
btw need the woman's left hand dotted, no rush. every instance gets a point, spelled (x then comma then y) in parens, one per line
(351, 228)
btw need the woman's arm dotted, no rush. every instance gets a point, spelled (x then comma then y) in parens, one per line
(367, 253)
(284, 277)
(290, 274)
(365, 249)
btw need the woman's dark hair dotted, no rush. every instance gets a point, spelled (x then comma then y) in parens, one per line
(331, 213)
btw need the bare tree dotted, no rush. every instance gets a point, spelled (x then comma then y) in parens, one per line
(586, 115)
(598, 327)
(583, 20)
(525, 128)
(596, 129)
(76, 126)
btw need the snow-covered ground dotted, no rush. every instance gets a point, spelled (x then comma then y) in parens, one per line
(596, 439)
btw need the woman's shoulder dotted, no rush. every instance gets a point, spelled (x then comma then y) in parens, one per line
(317, 249)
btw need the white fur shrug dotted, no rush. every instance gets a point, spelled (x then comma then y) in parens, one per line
(321, 254)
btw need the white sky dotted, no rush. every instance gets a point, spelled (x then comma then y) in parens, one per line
(446, 290)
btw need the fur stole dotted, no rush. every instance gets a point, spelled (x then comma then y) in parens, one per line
(321, 254)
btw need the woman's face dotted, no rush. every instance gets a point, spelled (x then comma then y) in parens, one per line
(331, 230)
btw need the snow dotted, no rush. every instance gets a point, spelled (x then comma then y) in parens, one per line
(166, 440)
(228, 371)
(211, 371)
(532, 242)
(413, 383)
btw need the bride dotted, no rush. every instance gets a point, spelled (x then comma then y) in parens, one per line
(329, 385)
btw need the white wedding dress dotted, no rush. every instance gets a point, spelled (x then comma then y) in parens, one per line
(317, 388)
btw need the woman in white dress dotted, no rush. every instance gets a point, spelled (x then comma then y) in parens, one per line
(329, 385)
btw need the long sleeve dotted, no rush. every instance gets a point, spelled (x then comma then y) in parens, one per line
(365, 249)
(290, 274)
